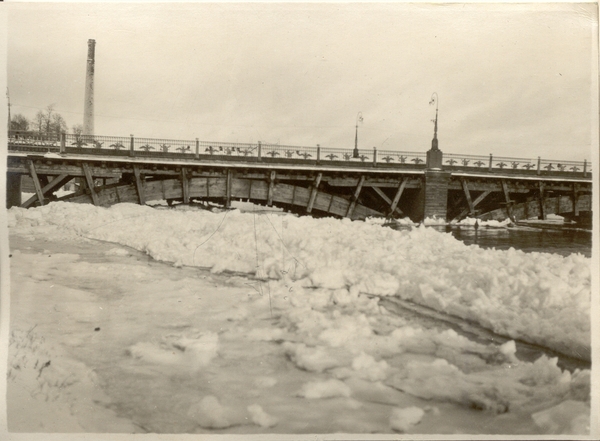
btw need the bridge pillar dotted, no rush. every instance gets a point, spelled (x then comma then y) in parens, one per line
(13, 190)
(435, 190)
(435, 201)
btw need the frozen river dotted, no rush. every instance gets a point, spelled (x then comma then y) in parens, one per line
(175, 321)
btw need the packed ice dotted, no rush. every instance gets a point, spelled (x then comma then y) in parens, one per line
(323, 280)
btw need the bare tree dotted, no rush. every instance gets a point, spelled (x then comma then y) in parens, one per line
(49, 122)
(77, 130)
(39, 121)
(48, 117)
(58, 124)
(19, 122)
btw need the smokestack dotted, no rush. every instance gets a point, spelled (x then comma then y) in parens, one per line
(88, 106)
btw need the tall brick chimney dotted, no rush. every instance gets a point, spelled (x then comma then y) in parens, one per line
(88, 106)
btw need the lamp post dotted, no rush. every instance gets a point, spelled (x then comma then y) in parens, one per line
(359, 118)
(435, 157)
(435, 100)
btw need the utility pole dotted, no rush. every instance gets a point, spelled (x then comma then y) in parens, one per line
(8, 98)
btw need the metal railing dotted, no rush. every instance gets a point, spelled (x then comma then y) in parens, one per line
(160, 147)
(21, 137)
(504, 163)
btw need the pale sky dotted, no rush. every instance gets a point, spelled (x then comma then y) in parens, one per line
(512, 80)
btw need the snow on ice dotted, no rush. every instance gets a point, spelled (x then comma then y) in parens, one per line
(322, 279)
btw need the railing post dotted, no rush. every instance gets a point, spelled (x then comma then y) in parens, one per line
(63, 141)
(318, 153)
(539, 165)
(585, 168)
(131, 146)
(374, 156)
(197, 149)
(259, 151)
(490, 164)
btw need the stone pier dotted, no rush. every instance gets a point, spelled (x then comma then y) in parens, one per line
(435, 202)
(13, 190)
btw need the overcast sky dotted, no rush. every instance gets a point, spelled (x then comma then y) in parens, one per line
(512, 80)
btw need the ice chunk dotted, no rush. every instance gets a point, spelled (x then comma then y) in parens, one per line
(569, 417)
(209, 413)
(325, 389)
(368, 368)
(260, 417)
(402, 419)
(314, 359)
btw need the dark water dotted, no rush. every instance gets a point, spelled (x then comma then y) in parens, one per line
(563, 241)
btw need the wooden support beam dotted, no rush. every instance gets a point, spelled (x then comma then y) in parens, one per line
(507, 199)
(541, 201)
(373, 181)
(403, 183)
(36, 182)
(380, 192)
(384, 196)
(185, 186)
(271, 188)
(139, 185)
(355, 196)
(313, 192)
(90, 183)
(58, 181)
(228, 189)
(70, 169)
(477, 200)
(480, 198)
(468, 196)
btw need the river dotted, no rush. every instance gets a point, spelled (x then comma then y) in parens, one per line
(556, 240)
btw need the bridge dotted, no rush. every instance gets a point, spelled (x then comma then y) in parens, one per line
(318, 181)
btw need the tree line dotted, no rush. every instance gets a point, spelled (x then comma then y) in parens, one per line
(45, 122)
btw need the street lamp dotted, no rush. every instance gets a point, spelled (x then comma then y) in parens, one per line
(435, 100)
(359, 118)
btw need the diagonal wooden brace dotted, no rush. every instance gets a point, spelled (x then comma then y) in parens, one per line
(57, 182)
(139, 184)
(355, 196)
(36, 183)
(90, 183)
(313, 192)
